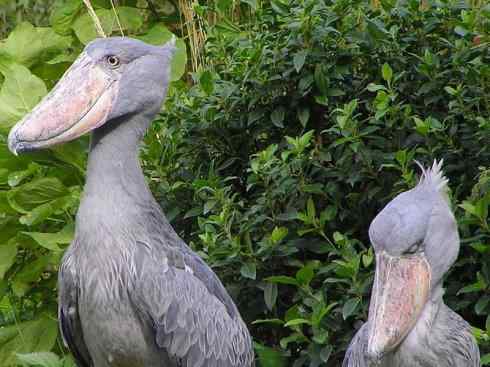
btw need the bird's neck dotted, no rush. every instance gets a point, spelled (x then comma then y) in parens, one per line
(115, 190)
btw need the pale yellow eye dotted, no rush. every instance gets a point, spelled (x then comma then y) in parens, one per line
(113, 61)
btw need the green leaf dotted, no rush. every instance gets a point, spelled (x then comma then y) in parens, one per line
(270, 295)
(158, 35)
(485, 360)
(349, 307)
(51, 241)
(310, 209)
(268, 321)
(305, 275)
(304, 116)
(8, 252)
(421, 126)
(36, 192)
(451, 90)
(387, 72)
(299, 60)
(130, 19)
(29, 45)
(277, 116)
(375, 87)
(206, 81)
(297, 322)
(20, 92)
(325, 353)
(269, 357)
(278, 234)
(282, 279)
(481, 305)
(279, 7)
(42, 359)
(27, 337)
(249, 270)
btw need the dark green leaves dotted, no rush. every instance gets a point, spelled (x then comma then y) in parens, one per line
(299, 60)
(206, 81)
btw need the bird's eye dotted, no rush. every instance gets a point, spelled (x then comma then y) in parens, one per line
(113, 61)
(414, 248)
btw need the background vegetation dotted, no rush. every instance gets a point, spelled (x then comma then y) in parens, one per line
(295, 123)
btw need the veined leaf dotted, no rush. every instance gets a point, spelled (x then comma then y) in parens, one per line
(29, 45)
(26, 337)
(43, 359)
(20, 92)
(51, 241)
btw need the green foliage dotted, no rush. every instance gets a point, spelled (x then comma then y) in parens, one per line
(274, 162)
(271, 162)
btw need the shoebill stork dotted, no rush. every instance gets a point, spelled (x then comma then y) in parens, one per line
(416, 240)
(131, 292)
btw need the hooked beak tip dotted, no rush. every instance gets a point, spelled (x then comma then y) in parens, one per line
(13, 144)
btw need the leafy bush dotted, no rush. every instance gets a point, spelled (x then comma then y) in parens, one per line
(272, 161)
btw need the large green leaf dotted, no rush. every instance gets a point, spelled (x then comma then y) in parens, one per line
(26, 197)
(29, 45)
(27, 337)
(20, 92)
(158, 35)
(130, 20)
(51, 241)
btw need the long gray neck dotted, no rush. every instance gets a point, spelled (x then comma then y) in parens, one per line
(115, 191)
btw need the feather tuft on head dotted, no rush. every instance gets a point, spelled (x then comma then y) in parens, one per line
(434, 177)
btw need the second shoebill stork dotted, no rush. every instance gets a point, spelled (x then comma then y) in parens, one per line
(131, 292)
(416, 241)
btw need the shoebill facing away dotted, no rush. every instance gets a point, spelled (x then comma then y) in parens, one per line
(131, 292)
(416, 241)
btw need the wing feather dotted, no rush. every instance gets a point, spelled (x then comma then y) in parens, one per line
(194, 318)
(69, 320)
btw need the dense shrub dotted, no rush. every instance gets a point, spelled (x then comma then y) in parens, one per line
(307, 122)
(273, 159)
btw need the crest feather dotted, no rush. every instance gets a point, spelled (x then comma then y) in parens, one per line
(434, 177)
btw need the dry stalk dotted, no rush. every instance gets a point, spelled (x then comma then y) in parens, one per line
(193, 28)
(117, 18)
(95, 18)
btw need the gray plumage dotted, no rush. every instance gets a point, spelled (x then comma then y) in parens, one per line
(440, 339)
(417, 224)
(131, 292)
